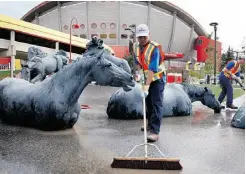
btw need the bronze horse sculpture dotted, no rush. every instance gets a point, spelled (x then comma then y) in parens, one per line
(53, 103)
(178, 99)
(40, 64)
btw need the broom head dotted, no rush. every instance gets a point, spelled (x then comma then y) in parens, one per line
(147, 163)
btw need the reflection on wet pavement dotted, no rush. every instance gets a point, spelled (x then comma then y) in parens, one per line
(205, 142)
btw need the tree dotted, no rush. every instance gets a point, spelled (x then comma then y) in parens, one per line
(230, 53)
(242, 68)
(209, 68)
(223, 60)
(210, 35)
(130, 60)
(226, 56)
(209, 64)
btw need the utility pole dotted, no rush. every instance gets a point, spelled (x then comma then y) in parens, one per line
(214, 24)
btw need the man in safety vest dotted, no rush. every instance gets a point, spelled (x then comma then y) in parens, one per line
(149, 57)
(231, 71)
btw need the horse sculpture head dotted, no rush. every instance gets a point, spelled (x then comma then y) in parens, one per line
(202, 94)
(105, 73)
(210, 101)
(93, 47)
(27, 71)
(35, 52)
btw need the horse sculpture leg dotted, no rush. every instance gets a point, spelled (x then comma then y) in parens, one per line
(39, 77)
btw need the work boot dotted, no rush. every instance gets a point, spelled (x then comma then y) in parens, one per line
(231, 106)
(152, 137)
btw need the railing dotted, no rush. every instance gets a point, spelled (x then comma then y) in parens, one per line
(4, 67)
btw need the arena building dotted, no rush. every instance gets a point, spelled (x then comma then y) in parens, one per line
(172, 27)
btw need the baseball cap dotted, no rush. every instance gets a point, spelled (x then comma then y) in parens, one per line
(142, 30)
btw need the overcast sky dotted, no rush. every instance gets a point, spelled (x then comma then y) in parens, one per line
(229, 15)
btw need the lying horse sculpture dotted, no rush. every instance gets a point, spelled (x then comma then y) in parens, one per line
(53, 103)
(96, 45)
(178, 99)
(40, 64)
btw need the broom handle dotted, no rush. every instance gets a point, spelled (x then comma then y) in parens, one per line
(241, 85)
(145, 129)
(144, 114)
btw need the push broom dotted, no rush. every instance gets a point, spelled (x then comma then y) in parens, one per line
(146, 162)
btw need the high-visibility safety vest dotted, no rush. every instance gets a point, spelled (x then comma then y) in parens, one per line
(144, 58)
(234, 70)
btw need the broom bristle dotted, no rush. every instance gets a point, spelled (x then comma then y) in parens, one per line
(147, 163)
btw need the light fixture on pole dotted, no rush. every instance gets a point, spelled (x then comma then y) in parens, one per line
(237, 52)
(214, 24)
(74, 26)
(132, 28)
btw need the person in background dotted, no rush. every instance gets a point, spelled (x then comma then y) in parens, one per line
(230, 71)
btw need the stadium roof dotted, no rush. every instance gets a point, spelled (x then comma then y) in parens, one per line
(187, 18)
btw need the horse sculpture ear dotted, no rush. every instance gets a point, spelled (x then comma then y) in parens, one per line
(206, 89)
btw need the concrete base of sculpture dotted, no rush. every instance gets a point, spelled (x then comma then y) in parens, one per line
(53, 103)
(178, 100)
(238, 120)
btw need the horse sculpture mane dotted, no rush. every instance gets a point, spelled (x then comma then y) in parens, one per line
(53, 103)
(178, 99)
(193, 91)
(96, 45)
(35, 52)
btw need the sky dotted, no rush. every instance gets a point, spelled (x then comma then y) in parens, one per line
(229, 15)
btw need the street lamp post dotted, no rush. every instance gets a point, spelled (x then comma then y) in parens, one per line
(75, 26)
(214, 24)
(132, 28)
(237, 52)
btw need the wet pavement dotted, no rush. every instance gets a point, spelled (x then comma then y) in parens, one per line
(205, 142)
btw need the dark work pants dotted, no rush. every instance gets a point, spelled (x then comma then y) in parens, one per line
(154, 104)
(226, 90)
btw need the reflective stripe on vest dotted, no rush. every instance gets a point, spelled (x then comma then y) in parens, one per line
(234, 69)
(146, 53)
(145, 57)
(156, 76)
